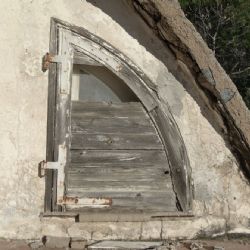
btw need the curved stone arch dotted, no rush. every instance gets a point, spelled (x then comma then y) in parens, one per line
(99, 51)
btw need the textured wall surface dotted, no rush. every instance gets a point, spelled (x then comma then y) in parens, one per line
(221, 193)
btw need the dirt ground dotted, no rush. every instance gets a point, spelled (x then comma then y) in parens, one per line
(187, 245)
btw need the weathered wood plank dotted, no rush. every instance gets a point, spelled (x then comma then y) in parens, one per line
(87, 111)
(105, 114)
(124, 125)
(87, 174)
(119, 157)
(177, 155)
(155, 203)
(121, 194)
(50, 195)
(81, 58)
(112, 108)
(116, 173)
(127, 185)
(113, 168)
(116, 141)
(120, 211)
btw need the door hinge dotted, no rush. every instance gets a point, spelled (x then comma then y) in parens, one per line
(94, 202)
(49, 58)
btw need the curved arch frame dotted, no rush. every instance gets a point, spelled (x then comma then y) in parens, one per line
(67, 40)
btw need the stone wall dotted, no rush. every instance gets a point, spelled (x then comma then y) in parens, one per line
(221, 192)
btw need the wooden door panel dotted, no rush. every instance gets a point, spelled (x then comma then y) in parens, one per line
(117, 155)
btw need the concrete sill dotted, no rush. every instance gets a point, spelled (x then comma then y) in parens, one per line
(116, 217)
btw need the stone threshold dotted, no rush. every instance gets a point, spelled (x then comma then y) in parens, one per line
(128, 245)
(117, 217)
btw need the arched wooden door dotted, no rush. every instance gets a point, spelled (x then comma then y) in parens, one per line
(113, 143)
(117, 160)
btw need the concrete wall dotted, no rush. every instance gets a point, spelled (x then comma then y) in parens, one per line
(221, 193)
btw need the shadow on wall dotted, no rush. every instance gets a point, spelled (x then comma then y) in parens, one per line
(124, 13)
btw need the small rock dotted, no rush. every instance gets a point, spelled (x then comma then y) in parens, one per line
(167, 246)
(196, 246)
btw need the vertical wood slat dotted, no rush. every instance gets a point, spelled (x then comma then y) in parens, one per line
(50, 181)
(177, 156)
(63, 124)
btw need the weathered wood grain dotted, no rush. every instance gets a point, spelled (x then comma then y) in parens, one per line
(50, 195)
(124, 125)
(117, 132)
(81, 58)
(117, 173)
(119, 157)
(156, 203)
(111, 108)
(127, 185)
(177, 156)
(120, 194)
(109, 166)
(116, 141)
(109, 163)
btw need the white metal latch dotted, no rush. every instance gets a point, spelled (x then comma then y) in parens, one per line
(43, 165)
(59, 166)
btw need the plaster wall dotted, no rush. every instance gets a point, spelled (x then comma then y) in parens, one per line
(221, 193)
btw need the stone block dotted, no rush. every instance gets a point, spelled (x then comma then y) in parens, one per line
(56, 227)
(106, 230)
(117, 231)
(151, 230)
(36, 244)
(80, 230)
(57, 242)
(189, 228)
(78, 244)
(13, 244)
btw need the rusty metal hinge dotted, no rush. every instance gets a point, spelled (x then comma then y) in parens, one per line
(49, 58)
(93, 202)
